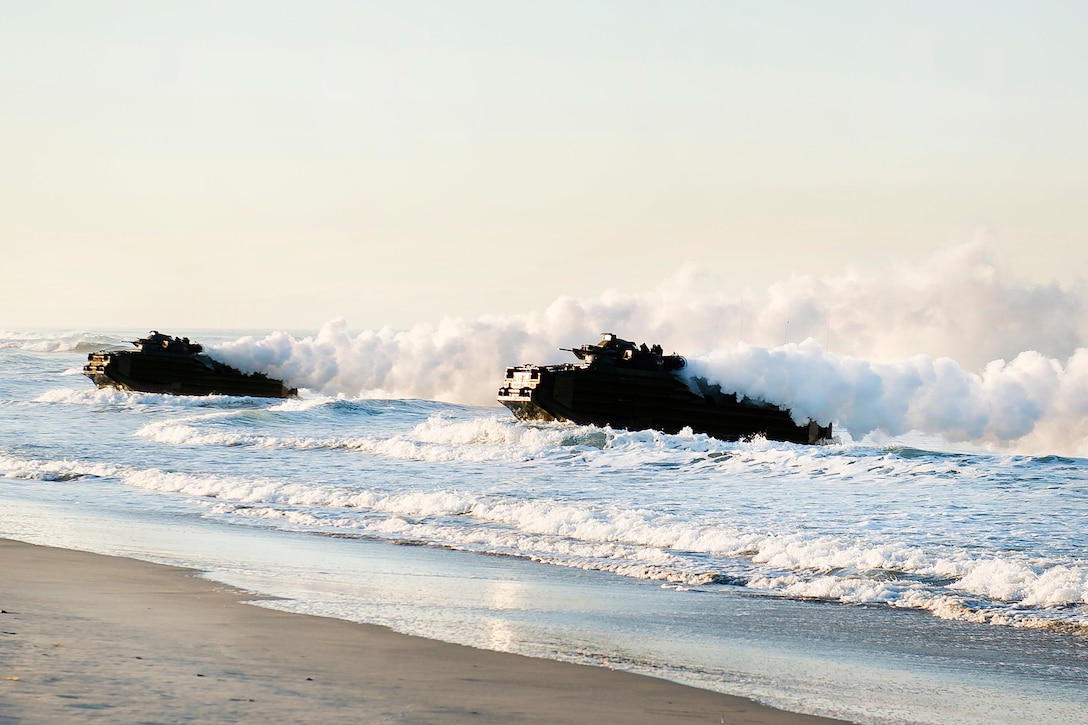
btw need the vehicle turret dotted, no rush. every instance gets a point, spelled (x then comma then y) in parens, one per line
(615, 351)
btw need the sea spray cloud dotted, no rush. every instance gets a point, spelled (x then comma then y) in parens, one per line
(455, 360)
(952, 345)
(1003, 404)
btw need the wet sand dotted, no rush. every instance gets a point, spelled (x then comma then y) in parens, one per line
(87, 638)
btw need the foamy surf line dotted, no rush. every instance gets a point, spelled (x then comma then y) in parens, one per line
(642, 543)
(906, 695)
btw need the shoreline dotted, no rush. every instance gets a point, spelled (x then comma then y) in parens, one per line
(99, 638)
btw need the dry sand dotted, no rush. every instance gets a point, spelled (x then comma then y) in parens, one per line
(95, 638)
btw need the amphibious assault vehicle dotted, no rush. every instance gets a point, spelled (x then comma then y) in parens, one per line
(624, 385)
(164, 364)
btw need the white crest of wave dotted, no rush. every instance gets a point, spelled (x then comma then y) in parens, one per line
(1027, 584)
(952, 345)
(807, 566)
(55, 341)
(437, 439)
(267, 491)
(64, 470)
(115, 397)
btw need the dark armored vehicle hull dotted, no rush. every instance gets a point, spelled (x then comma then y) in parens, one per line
(177, 367)
(638, 390)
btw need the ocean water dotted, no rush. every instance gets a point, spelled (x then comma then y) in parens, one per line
(889, 579)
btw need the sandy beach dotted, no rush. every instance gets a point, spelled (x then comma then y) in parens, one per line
(85, 637)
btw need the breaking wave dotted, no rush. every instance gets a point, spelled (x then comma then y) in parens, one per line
(57, 342)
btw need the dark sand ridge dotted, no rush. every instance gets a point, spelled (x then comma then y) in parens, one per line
(85, 638)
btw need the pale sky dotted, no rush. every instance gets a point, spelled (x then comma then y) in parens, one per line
(279, 164)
